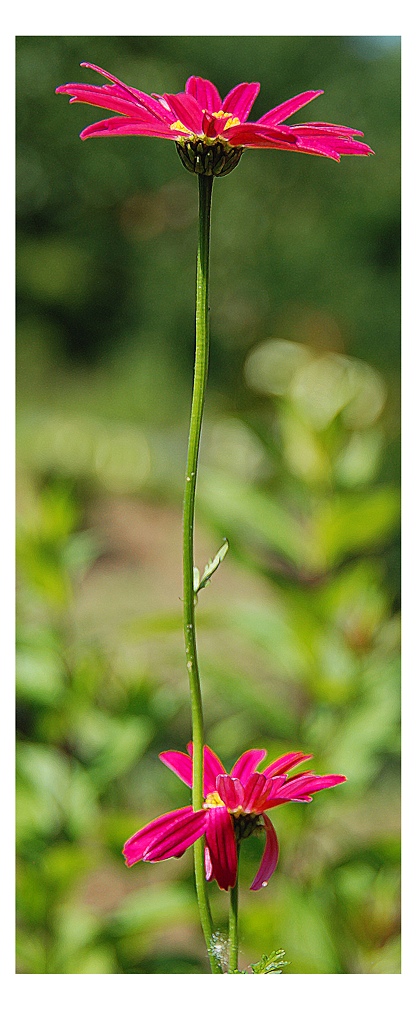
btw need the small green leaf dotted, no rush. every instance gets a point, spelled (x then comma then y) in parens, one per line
(273, 962)
(210, 568)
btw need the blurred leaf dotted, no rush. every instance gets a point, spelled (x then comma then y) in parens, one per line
(110, 745)
(356, 522)
(173, 902)
(55, 790)
(100, 960)
(367, 728)
(360, 459)
(249, 514)
(40, 674)
(76, 928)
(31, 955)
(383, 961)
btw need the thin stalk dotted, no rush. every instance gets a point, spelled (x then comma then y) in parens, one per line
(198, 396)
(233, 927)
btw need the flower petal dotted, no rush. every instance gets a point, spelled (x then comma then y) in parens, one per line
(270, 857)
(102, 97)
(256, 792)
(208, 864)
(231, 791)
(324, 782)
(177, 836)
(204, 92)
(318, 147)
(136, 846)
(286, 109)
(247, 764)
(123, 127)
(212, 767)
(322, 129)
(186, 109)
(285, 763)
(222, 847)
(254, 135)
(300, 788)
(344, 146)
(240, 100)
(179, 763)
(110, 77)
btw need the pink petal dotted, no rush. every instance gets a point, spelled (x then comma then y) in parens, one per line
(300, 788)
(186, 109)
(222, 846)
(254, 135)
(240, 100)
(177, 836)
(101, 97)
(123, 127)
(247, 764)
(104, 73)
(136, 846)
(322, 129)
(153, 105)
(318, 147)
(179, 763)
(127, 101)
(285, 763)
(231, 791)
(283, 792)
(270, 856)
(208, 864)
(121, 90)
(212, 126)
(286, 109)
(204, 93)
(324, 782)
(212, 767)
(256, 792)
(332, 147)
(345, 146)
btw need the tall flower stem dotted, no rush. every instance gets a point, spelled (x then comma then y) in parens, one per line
(233, 928)
(198, 396)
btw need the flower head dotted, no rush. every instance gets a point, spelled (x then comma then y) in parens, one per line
(234, 808)
(210, 133)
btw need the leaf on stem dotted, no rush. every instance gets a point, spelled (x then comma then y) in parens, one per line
(210, 568)
(273, 962)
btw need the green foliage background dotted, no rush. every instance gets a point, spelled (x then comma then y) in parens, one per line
(299, 630)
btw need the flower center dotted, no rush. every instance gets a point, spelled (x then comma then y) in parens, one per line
(213, 800)
(231, 120)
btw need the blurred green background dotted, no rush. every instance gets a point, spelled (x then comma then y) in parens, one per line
(299, 630)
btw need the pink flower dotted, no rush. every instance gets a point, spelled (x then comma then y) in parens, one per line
(210, 134)
(234, 808)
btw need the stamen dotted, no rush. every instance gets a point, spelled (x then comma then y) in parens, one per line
(179, 126)
(213, 800)
(231, 120)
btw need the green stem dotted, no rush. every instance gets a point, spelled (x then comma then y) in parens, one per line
(233, 927)
(198, 396)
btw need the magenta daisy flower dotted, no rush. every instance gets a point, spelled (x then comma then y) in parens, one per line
(210, 133)
(234, 808)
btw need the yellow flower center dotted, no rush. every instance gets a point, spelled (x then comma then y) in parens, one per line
(231, 120)
(213, 800)
(179, 126)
